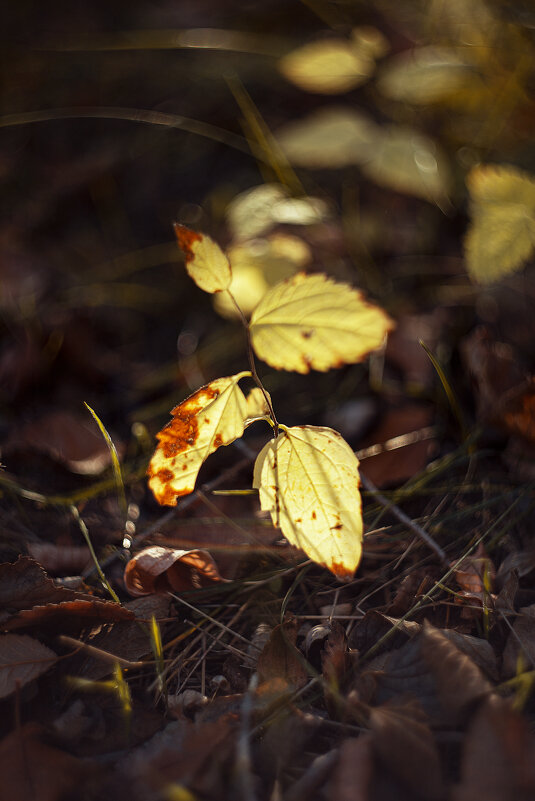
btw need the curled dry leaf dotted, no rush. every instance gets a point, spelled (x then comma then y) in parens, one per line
(475, 575)
(215, 415)
(310, 322)
(160, 570)
(206, 263)
(308, 481)
(22, 659)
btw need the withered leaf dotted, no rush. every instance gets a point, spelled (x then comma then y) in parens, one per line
(280, 658)
(67, 438)
(403, 741)
(58, 559)
(160, 570)
(32, 770)
(24, 584)
(431, 669)
(68, 615)
(474, 571)
(352, 778)
(499, 756)
(125, 639)
(22, 659)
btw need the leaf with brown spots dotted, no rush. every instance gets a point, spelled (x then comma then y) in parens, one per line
(205, 261)
(310, 322)
(215, 415)
(161, 570)
(308, 479)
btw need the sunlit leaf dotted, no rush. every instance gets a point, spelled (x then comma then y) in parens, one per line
(329, 66)
(253, 212)
(256, 404)
(330, 138)
(408, 161)
(205, 261)
(211, 417)
(310, 322)
(501, 237)
(429, 75)
(258, 264)
(308, 481)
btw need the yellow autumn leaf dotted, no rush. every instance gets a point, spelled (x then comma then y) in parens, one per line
(308, 480)
(205, 261)
(407, 161)
(432, 75)
(310, 322)
(256, 405)
(213, 416)
(255, 211)
(256, 265)
(501, 236)
(330, 138)
(329, 66)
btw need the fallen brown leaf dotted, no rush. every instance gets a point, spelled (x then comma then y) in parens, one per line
(404, 744)
(160, 570)
(71, 439)
(280, 658)
(22, 659)
(352, 777)
(68, 615)
(31, 770)
(498, 761)
(432, 670)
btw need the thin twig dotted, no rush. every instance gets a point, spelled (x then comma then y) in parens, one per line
(403, 518)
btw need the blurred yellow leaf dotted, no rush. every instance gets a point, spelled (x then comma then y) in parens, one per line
(395, 156)
(329, 66)
(257, 265)
(213, 416)
(430, 75)
(308, 481)
(255, 211)
(205, 261)
(311, 322)
(370, 40)
(501, 236)
(330, 138)
(408, 161)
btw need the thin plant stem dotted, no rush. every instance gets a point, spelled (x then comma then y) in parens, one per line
(252, 364)
(85, 534)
